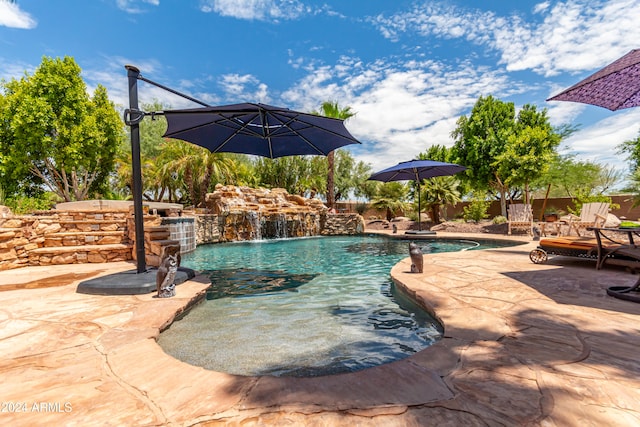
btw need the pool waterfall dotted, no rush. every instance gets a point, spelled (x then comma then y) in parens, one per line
(243, 213)
(256, 225)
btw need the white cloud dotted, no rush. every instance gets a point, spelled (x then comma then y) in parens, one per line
(260, 10)
(110, 72)
(541, 7)
(600, 140)
(12, 16)
(130, 6)
(569, 36)
(14, 70)
(564, 112)
(244, 87)
(572, 35)
(401, 109)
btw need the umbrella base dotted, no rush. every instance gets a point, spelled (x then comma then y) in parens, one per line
(129, 282)
(421, 232)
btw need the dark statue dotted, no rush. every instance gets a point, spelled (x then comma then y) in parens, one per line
(166, 276)
(416, 258)
(536, 233)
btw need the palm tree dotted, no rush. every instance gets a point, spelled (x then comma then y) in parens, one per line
(196, 165)
(438, 191)
(390, 196)
(123, 177)
(331, 109)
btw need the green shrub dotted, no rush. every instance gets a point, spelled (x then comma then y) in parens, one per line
(361, 208)
(23, 205)
(476, 210)
(499, 219)
(582, 198)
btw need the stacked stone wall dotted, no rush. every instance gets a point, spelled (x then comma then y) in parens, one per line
(343, 224)
(211, 228)
(244, 213)
(60, 237)
(97, 236)
(207, 229)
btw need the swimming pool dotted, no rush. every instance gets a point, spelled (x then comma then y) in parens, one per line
(303, 307)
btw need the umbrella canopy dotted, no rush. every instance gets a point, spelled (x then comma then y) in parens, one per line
(258, 129)
(615, 87)
(416, 170)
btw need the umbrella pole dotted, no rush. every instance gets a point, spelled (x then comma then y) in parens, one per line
(134, 123)
(419, 216)
(133, 117)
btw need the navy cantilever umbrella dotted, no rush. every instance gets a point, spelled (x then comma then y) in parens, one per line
(258, 129)
(416, 170)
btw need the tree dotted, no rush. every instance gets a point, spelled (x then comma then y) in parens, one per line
(390, 196)
(331, 109)
(438, 153)
(440, 191)
(632, 149)
(568, 177)
(634, 187)
(157, 179)
(14, 177)
(296, 174)
(56, 132)
(350, 175)
(500, 150)
(306, 175)
(529, 149)
(193, 166)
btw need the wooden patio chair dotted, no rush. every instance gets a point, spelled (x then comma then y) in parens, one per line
(591, 215)
(520, 216)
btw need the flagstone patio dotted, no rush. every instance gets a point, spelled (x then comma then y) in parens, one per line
(524, 344)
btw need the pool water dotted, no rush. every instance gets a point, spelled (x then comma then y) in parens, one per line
(302, 307)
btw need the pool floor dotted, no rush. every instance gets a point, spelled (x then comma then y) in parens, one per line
(302, 307)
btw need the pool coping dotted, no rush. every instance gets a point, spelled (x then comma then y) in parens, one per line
(498, 363)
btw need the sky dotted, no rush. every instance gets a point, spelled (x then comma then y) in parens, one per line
(408, 69)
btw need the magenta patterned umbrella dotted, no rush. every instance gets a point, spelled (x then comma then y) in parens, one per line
(615, 87)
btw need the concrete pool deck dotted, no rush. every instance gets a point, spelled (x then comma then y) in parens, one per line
(524, 344)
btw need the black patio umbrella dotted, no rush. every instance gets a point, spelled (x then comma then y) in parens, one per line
(416, 170)
(242, 128)
(258, 129)
(615, 87)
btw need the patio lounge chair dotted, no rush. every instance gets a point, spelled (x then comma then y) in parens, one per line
(591, 215)
(604, 251)
(581, 247)
(520, 216)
